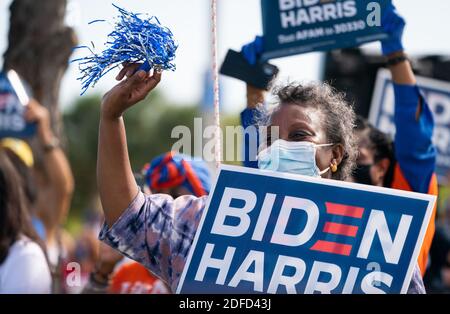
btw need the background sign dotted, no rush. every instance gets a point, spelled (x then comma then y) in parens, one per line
(268, 232)
(298, 26)
(12, 123)
(437, 94)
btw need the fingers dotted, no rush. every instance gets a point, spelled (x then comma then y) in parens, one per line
(259, 45)
(133, 82)
(146, 85)
(138, 77)
(28, 115)
(152, 81)
(132, 69)
(387, 18)
(30, 111)
(149, 84)
(35, 112)
(248, 53)
(121, 74)
(128, 70)
(31, 114)
(137, 87)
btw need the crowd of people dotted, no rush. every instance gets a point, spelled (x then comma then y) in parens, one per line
(149, 228)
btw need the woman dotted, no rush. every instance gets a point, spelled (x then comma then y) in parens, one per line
(23, 265)
(48, 185)
(316, 135)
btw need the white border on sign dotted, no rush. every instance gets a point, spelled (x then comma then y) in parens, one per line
(383, 75)
(199, 229)
(431, 199)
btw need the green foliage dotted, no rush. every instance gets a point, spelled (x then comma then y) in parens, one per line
(81, 130)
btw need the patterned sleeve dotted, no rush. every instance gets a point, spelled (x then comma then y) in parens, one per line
(157, 231)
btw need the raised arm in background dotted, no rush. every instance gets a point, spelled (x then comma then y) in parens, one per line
(54, 176)
(414, 149)
(255, 97)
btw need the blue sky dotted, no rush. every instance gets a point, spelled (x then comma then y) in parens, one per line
(239, 22)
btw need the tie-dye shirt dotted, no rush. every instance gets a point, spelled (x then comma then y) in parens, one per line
(157, 231)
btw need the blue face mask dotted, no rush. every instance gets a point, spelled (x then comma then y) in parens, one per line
(291, 157)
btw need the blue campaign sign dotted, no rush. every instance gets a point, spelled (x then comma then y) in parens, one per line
(270, 232)
(299, 26)
(12, 123)
(437, 94)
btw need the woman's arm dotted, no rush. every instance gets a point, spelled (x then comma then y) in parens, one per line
(255, 97)
(154, 230)
(56, 182)
(414, 149)
(413, 118)
(115, 179)
(402, 72)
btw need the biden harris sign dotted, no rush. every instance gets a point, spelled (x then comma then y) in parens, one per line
(12, 122)
(298, 26)
(269, 232)
(437, 94)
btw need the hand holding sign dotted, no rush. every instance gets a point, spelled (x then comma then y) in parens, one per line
(393, 24)
(253, 51)
(39, 115)
(248, 67)
(13, 101)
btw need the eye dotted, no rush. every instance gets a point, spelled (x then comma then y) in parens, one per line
(298, 135)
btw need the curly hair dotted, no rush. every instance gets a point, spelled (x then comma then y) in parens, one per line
(339, 117)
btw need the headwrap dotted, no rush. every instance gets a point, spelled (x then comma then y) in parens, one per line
(20, 148)
(172, 169)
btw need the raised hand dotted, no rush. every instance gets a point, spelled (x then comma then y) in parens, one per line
(253, 51)
(130, 91)
(393, 24)
(40, 115)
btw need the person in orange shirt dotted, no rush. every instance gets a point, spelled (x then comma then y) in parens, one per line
(133, 278)
(408, 163)
(410, 166)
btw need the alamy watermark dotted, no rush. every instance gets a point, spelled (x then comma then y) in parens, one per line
(200, 142)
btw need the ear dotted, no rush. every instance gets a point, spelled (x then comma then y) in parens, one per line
(380, 168)
(338, 153)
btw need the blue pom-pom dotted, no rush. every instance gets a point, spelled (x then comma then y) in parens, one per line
(134, 40)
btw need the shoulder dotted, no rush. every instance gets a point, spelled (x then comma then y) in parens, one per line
(25, 247)
(184, 212)
(25, 269)
(186, 204)
(180, 201)
(25, 256)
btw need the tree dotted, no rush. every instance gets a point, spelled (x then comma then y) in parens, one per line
(39, 49)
